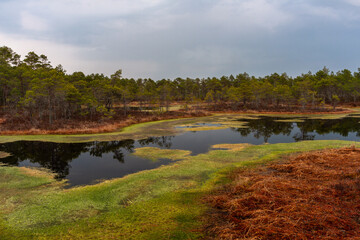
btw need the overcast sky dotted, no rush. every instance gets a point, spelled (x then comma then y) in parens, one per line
(186, 38)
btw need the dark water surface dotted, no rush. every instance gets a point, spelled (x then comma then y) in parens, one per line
(86, 163)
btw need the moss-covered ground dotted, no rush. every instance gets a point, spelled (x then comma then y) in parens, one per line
(156, 154)
(163, 203)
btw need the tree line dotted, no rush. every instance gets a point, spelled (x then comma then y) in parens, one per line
(35, 89)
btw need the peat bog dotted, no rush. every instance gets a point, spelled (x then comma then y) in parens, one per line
(90, 162)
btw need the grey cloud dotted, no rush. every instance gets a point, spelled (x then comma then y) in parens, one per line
(170, 38)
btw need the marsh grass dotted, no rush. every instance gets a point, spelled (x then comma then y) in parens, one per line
(155, 204)
(136, 131)
(163, 203)
(217, 123)
(18, 185)
(309, 196)
(161, 128)
(231, 147)
(156, 154)
(4, 154)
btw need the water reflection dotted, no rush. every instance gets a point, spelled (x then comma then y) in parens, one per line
(58, 156)
(343, 126)
(53, 156)
(265, 127)
(307, 129)
(163, 142)
(97, 149)
(82, 163)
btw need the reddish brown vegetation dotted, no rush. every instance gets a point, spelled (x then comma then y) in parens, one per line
(311, 196)
(281, 109)
(20, 124)
(13, 125)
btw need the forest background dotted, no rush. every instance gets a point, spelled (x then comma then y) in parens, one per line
(32, 91)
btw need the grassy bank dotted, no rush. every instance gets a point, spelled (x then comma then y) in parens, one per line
(156, 204)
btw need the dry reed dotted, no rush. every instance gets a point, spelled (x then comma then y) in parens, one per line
(311, 196)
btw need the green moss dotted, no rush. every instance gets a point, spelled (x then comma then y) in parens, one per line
(20, 177)
(18, 185)
(155, 154)
(217, 122)
(155, 204)
(232, 124)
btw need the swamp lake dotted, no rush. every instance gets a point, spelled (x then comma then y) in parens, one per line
(91, 162)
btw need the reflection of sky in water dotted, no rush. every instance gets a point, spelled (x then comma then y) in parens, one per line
(84, 163)
(106, 167)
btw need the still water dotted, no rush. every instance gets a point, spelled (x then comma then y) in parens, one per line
(88, 163)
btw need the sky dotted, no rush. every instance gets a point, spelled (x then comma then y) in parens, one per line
(186, 38)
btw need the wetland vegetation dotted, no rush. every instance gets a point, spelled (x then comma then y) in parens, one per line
(150, 180)
(161, 203)
(166, 200)
(310, 196)
(88, 162)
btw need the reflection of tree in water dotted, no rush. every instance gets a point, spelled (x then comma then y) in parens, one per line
(164, 141)
(342, 126)
(58, 156)
(304, 132)
(116, 147)
(265, 127)
(302, 136)
(53, 156)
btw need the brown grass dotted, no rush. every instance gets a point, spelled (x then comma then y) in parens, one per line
(310, 196)
(80, 126)
(19, 124)
(4, 154)
(294, 111)
(36, 172)
(232, 147)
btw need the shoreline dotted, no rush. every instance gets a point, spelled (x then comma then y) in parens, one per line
(169, 191)
(118, 126)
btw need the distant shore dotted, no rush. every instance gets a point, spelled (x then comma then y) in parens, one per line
(118, 122)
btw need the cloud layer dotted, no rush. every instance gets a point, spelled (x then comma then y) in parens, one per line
(171, 38)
